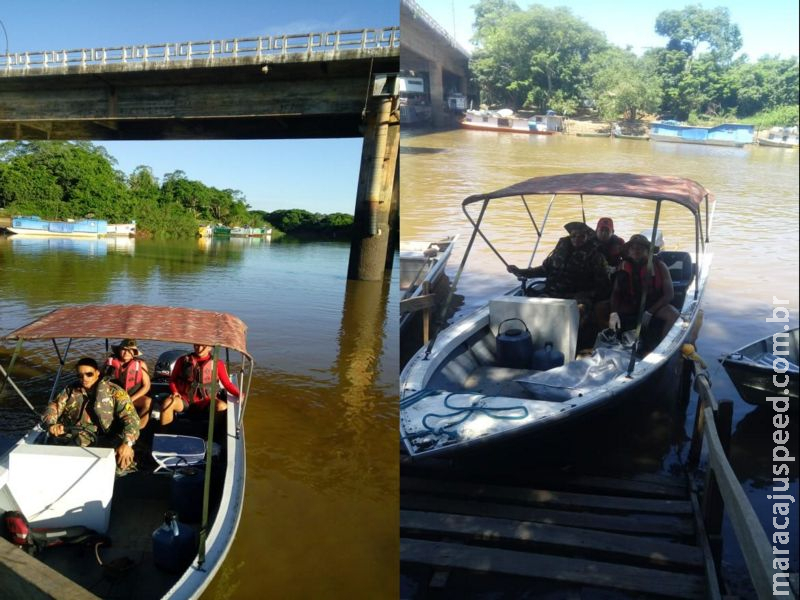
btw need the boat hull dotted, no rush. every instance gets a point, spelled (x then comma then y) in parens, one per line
(776, 143)
(672, 138)
(480, 127)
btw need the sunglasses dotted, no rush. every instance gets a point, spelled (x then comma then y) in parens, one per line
(85, 375)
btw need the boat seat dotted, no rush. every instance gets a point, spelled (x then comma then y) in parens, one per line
(681, 270)
(173, 451)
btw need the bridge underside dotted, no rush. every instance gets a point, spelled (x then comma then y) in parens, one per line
(255, 100)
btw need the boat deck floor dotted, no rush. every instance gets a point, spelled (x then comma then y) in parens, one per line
(497, 381)
(556, 535)
(128, 571)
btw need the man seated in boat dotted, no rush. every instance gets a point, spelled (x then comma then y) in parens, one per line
(190, 384)
(632, 279)
(610, 245)
(94, 412)
(126, 368)
(574, 269)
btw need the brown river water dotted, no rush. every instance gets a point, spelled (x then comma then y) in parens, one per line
(754, 239)
(320, 517)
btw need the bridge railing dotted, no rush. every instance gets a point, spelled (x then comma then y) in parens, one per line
(434, 24)
(18, 63)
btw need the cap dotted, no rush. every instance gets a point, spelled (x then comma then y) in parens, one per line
(577, 226)
(640, 240)
(127, 343)
(605, 222)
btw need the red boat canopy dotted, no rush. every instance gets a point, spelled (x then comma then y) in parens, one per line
(677, 189)
(161, 323)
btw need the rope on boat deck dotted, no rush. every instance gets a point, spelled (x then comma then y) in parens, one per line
(467, 412)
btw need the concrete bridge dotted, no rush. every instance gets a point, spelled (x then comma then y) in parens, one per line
(316, 85)
(292, 86)
(429, 51)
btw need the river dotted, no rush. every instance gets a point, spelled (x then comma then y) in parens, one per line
(754, 239)
(320, 517)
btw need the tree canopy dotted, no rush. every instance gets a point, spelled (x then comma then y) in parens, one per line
(73, 180)
(543, 58)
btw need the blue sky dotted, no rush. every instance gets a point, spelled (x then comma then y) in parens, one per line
(317, 175)
(767, 27)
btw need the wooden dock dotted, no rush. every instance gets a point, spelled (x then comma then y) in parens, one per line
(568, 536)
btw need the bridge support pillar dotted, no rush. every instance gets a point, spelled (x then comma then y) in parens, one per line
(376, 183)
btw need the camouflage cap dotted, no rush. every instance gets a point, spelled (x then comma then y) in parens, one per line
(129, 344)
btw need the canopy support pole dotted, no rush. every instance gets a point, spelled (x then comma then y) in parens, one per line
(645, 285)
(212, 408)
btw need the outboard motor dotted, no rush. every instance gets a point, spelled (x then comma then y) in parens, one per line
(514, 346)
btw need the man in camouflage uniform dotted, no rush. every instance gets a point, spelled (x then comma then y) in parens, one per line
(100, 412)
(574, 269)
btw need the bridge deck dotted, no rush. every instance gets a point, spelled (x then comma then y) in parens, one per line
(565, 536)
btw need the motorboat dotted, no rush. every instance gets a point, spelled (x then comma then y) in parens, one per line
(422, 265)
(512, 367)
(506, 120)
(755, 368)
(196, 469)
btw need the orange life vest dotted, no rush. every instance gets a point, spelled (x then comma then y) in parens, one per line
(128, 374)
(636, 281)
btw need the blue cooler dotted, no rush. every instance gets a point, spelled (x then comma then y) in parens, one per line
(174, 544)
(546, 358)
(186, 493)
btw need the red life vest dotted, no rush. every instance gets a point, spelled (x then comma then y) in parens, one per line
(656, 282)
(196, 379)
(128, 374)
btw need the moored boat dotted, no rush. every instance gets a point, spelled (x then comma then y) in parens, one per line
(422, 265)
(593, 134)
(477, 383)
(58, 487)
(36, 226)
(247, 232)
(505, 120)
(727, 134)
(756, 367)
(780, 137)
(122, 229)
(221, 231)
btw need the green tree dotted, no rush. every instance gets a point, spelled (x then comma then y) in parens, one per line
(526, 58)
(622, 85)
(689, 27)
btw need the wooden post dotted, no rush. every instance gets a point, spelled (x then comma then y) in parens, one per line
(376, 182)
(713, 503)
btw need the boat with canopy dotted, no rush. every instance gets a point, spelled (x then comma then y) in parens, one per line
(463, 390)
(56, 486)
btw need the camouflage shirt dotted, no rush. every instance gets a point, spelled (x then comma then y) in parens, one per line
(105, 410)
(575, 272)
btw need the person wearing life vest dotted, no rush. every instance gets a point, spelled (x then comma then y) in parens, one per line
(191, 384)
(129, 370)
(629, 283)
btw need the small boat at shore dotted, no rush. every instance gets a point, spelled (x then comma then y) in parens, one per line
(36, 226)
(505, 120)
(593, 134)
(122, 229)
(754, 368)
(625, 136)
(248, 232)
(480, 381)
(728, 134)
(422, 265)
(780, 137)
(221, 231)
(196, 468)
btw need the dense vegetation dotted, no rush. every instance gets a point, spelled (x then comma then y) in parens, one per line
(543, 58)
(71, 180)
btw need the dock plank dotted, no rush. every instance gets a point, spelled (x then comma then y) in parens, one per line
(553, 498)
(573, 570)
(645, 524)
(643, 549)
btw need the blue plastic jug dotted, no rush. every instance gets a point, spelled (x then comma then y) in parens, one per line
(546, 358)
(514, 346)
(174, 544)
(186, 493)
